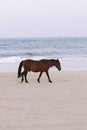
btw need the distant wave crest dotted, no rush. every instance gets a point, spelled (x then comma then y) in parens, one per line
(10, 59)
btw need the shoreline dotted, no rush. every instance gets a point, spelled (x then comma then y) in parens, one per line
(13, 67)
(66, 65)
(58, 105)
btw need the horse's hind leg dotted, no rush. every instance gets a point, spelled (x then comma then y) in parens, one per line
(39, 77)
(23, 73)
(48, 77)
(22, 78)
(26, 76)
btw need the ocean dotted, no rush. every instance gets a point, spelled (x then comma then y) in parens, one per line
(71, 51)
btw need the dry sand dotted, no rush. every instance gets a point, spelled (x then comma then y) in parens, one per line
(61, 105)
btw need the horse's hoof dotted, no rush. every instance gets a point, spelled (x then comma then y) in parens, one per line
(50, 81)
(38, 81)
(26, 81)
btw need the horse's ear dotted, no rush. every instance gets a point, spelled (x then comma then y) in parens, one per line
(57, 59)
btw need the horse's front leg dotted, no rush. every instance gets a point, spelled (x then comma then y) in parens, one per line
(39, 76)
(48, 77)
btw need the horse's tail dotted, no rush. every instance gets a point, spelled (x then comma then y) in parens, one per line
(19, 69)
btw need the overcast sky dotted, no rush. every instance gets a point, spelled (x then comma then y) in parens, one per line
(43, 18)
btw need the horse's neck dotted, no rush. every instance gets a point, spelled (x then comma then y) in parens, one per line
(51, 64)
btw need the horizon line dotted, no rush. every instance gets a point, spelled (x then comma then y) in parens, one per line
(44, 37)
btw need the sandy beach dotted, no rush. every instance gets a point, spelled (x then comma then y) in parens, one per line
(61, 105)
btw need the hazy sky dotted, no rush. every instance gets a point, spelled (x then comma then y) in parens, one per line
(43, 18)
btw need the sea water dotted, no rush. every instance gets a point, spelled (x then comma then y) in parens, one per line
(71, 51)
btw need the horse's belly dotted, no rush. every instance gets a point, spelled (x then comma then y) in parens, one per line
(36, 69)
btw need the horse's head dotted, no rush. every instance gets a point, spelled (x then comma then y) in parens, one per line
(58, 65)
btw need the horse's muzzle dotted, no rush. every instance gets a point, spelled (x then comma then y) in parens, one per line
(59, 68)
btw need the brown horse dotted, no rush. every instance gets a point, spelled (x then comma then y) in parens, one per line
(37, 66)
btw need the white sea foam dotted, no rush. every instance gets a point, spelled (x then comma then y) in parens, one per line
(11, 59)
